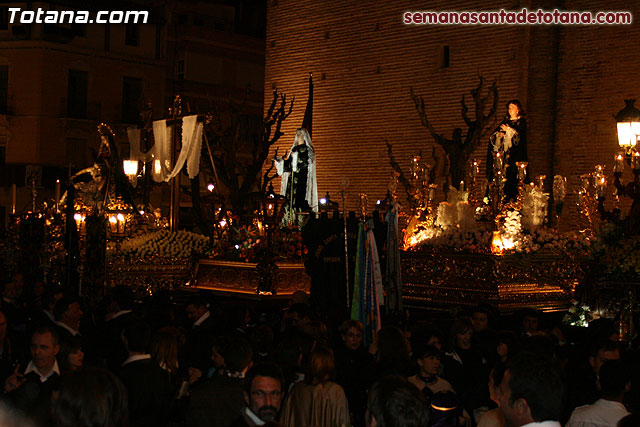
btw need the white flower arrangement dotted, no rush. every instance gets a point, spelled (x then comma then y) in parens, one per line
(534, 208)
(166, 244)
(578, 315)
(542, 240)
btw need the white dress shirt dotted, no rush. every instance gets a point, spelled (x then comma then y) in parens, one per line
(136, 357)
(31, 367)
(603, 413)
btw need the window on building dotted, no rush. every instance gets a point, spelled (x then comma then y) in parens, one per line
(4, 88)
(159, 28)
(132, 34)
(77, 94)
(3, 149)
(446, 56)
(4, 18)
(76, 152)
(180, 70)
(131, 99)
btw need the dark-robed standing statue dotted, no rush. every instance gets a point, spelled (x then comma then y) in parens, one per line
(511, 137)
(298, 172)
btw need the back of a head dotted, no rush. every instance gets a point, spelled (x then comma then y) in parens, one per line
(603, 344)
(539, 382)
(542, 345)
(13, 417)
(91, 397)
(123, 296)
(138, 336)
(613, 379)
(236, 351)
(395, 402)
(62, 305)
(392, 346)
(321, 367)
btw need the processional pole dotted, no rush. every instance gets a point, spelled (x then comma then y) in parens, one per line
(174, 210)
(346, 241)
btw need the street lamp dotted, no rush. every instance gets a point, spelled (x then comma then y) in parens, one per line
(131, 170)
(628, 120)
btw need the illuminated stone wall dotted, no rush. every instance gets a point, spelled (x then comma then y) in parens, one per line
(364, 59)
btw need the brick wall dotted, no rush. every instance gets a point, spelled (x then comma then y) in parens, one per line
(364, 59)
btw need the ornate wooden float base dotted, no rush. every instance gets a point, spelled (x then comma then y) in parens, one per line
(441, 279)
(147, 278)
(241, 278)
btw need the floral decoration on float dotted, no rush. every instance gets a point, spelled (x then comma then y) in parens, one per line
(457, 228)
(248, 243)
(163, 246)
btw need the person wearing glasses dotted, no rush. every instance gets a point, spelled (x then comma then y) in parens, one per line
(262, 395)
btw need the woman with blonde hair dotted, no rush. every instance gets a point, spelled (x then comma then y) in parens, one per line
(317, 401)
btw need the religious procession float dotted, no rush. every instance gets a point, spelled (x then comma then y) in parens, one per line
(457, 238)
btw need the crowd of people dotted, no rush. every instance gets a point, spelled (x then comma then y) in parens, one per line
(198, 361)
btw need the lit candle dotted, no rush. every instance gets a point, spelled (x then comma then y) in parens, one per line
(522, 170)
(475, 168)
(602, 186)
(461, 185)
(13, 198)
(113, 223)
(57, 194)
(541, 179)
(78, 218)
(635, 160)
(619, 163)
(120, 219)
(415, 167)
(498, 160)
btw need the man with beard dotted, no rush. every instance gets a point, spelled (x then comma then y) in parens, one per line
(263, 395)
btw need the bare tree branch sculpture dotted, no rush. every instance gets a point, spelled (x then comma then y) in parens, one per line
(396, 167)
(240, 148)
(457, 148)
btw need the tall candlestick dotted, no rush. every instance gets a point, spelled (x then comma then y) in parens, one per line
(13, 199)
(121, 223)
(57, 195)
(602, 186)
(475, 168)
(619, 163)
(635, 160)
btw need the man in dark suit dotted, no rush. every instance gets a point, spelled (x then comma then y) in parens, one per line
(148, 385)
(68, 315)
(31, 389)
(220, 401)
(120, 313)
(200, 337)
(262, 395)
